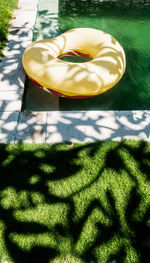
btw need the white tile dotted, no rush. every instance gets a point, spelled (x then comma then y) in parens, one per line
(18, 39)
(31, 127)
(8, 105)
(70, 126)
(12, 74)
(10, 100)
(97, 125)
(27, 4)
(24, 18)
(10, 95)
(8, 125)
(25, 14)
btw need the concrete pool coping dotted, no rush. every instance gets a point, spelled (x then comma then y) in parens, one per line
(53, 126)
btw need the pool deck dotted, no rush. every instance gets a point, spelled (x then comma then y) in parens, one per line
(53, 126)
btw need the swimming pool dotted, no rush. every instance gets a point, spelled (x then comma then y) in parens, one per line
(129, 23)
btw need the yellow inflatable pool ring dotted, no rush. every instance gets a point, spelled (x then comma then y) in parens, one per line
(42, 63)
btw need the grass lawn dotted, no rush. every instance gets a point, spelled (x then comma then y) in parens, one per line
(6, 8)
(87, 203)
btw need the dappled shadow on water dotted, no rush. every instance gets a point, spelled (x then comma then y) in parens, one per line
(81, 203)
(46, 25)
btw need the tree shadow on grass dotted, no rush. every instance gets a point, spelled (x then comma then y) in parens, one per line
(54, 209)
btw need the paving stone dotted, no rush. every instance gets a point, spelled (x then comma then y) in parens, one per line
(12, 75)
(10, 100)
(13, 83)
(132, 125)
(24, 18)
(31, 127)
(97, 125)
(28, 4)
(25, 15)
(8, 125)
(8, 105)
(10, 95)
(61, 128)
(18, 40)
(77, 126)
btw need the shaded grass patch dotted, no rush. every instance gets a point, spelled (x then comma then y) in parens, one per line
(80, 204)
(6, 8)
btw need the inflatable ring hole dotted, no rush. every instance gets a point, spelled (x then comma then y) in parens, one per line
(75, 57)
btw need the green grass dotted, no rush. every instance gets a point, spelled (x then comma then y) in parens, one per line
(75, 204)
(6, 8)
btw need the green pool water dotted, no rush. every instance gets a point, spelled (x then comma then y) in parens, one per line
(130, 25)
